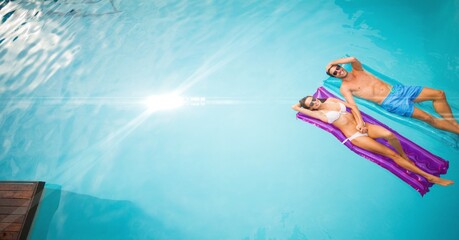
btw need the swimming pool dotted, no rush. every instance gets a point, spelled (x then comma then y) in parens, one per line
(232, 162)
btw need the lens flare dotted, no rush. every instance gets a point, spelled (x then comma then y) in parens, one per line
(163, 102)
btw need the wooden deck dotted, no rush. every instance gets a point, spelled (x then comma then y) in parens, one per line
(18, 205)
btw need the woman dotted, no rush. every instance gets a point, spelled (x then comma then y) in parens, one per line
(333, 111)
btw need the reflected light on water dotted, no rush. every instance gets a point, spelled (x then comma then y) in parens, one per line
(163, 102)
(170, 101)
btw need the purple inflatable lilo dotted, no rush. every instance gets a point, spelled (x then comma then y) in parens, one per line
(425, 160)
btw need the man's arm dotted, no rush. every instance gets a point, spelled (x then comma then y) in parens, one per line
(355, 63)
(354, 109)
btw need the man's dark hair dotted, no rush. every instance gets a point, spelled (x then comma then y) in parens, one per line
(328, 70)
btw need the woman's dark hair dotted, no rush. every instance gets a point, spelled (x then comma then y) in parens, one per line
(303, 100)
(302, 104)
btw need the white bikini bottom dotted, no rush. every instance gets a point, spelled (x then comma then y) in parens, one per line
(354, 136)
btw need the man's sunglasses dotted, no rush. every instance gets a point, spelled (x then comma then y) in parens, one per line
(338, 67)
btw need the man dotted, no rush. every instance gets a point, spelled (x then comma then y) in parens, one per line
(397, 99)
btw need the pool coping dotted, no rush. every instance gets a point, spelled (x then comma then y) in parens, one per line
(19, 201)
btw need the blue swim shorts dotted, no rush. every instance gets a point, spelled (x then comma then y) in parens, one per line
(400, 99)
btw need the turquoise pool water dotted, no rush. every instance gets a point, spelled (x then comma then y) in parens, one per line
(232, 162)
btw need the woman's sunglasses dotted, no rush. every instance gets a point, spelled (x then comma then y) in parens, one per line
(312, 102)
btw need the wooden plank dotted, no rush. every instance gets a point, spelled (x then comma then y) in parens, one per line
(13, 210)
(18, 204)
(40, 186)
(15, 202)
(10, 227)
(12, 218)
(9, 186)
(16, 194)
(9, 235)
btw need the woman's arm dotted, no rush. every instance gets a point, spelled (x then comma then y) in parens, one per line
(314, 114)
(355, 112)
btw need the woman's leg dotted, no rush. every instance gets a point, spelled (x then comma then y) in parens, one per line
(376, 147)
(375, 131)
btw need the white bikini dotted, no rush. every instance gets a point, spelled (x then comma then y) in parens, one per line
(354, 136)
(332, 116)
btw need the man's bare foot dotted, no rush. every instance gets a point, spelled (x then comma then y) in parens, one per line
(440, 181)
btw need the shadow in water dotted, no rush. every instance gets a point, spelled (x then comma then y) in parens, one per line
(68, 215)
(49, 203)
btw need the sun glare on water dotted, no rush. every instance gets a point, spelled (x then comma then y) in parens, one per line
(163, 102)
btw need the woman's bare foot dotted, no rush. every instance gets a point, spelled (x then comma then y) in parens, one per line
(440, 181)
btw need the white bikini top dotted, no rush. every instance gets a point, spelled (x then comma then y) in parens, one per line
(332, 116)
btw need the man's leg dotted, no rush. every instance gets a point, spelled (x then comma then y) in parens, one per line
(439, 102)
(439, 123)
